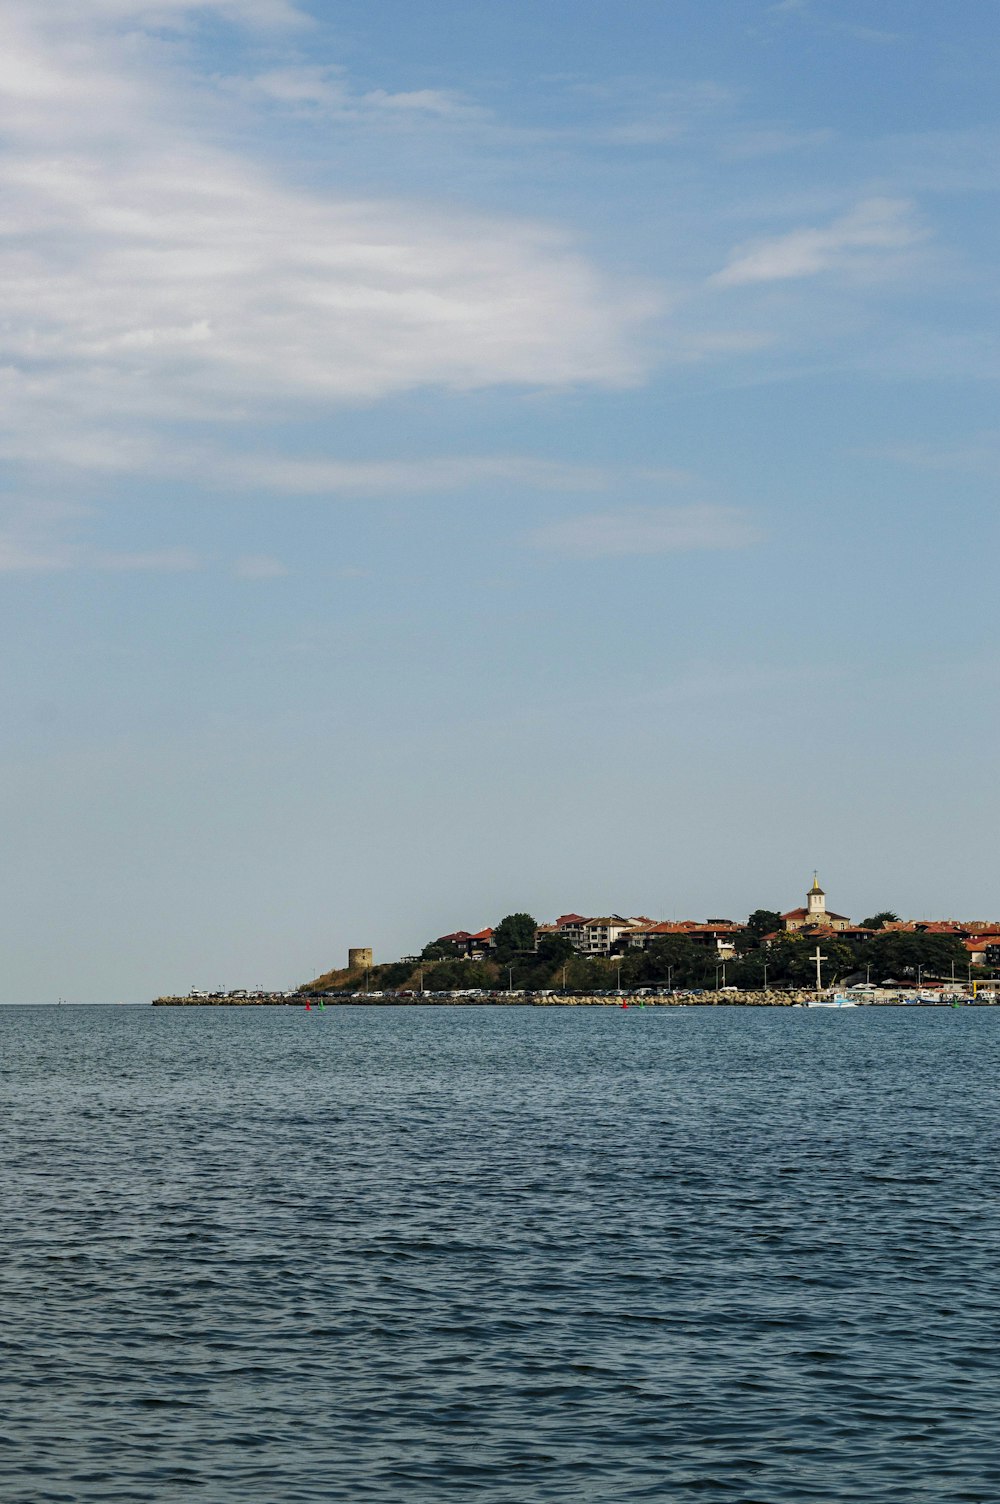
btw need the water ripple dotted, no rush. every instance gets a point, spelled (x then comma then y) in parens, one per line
(510, 1255)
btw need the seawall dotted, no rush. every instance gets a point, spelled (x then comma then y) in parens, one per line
(493, 999)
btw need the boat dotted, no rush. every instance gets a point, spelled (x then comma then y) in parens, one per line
(837, 1001)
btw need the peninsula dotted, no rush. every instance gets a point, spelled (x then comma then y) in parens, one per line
(772, 958)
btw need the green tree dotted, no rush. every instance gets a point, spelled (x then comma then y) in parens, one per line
(791, 962)
(880, 920)
(544, 969)
(762, 922)
(676, 961)
(434, 950)
(555, 950)
(515, 932)
(901, 953)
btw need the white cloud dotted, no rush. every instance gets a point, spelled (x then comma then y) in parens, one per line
(764, 142)
(803, 10)
(429, 101)
(259, 567)
(164, 560)
(874, 227)
(18, 556)
(146, 274)
(406, 477)
(106, 453)
(160, 13)
(647, 530)
(980, 456)
(22, 556)
(323, 90)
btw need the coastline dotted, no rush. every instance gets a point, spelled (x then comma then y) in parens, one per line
(502, 999)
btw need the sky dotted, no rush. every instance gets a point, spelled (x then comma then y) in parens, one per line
(462, 458)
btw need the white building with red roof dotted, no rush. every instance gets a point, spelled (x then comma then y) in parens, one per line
(815, 915)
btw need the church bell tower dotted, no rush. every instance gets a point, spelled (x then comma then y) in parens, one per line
(816, 903)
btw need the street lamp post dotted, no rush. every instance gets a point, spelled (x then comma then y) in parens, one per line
(510, 979)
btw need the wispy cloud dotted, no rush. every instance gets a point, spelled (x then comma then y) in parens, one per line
(757, 141)
(163, 13)
(259, 567)
(875, 227)
(323, 89)
(22, 556)
(145, 271)
(647, 530)
(804, 10)
(980, 456)
(424, 476)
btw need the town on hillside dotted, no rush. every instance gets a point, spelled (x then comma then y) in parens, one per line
(769, 950)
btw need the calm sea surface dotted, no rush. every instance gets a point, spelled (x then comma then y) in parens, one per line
(504, 1255)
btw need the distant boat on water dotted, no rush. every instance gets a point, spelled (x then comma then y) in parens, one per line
(837, 1001)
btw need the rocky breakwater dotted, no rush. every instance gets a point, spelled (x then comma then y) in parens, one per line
(230, 1000)
(757, 999)
(677, 1000)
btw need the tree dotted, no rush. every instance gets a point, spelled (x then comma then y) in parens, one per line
(899, 953)
(675, 960)
(791, 961)
(516, 932)
(554, 950)
(763, 922)
(434, 950)
(880, 920)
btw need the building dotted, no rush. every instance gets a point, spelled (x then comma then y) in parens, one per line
(716, 935)
(980, 937)
(595, 937)
(815, 915)
(468, 946)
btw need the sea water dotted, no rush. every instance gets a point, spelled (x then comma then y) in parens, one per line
(499, 1254)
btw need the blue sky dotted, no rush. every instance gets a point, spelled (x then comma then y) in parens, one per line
(463, 457)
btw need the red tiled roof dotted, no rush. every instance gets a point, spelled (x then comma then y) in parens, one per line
(666, 927)
(804, 914)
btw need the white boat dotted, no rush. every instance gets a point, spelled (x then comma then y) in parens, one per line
(837, 1001)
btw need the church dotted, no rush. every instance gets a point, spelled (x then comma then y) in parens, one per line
(815, 915)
